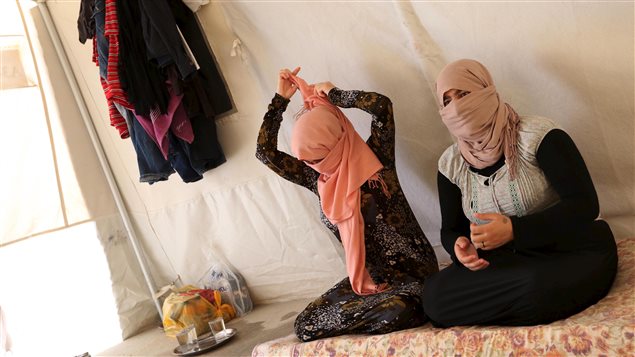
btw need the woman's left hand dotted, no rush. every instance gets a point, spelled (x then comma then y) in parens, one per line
(323, 89)
(493, 234)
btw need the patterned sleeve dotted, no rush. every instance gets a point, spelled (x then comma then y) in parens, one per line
(382, 131)
(285, 165)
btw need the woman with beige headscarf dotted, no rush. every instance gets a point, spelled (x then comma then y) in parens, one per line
(519, 214)
(387, 255)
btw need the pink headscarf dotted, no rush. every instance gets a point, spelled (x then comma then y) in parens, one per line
(324, 133)
(485, 127)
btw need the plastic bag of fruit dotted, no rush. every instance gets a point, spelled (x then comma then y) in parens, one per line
(191, 305)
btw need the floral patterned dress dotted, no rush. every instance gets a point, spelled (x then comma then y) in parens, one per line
(397, 251)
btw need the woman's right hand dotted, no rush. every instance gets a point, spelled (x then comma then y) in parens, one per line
(466, 254)
(322, 89)
(286, 88)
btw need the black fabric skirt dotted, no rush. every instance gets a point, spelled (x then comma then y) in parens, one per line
(524, 288)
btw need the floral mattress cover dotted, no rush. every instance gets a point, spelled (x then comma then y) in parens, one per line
(604, 329)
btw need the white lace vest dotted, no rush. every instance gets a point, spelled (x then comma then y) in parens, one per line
(528, 193)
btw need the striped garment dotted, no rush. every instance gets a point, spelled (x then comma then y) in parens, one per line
(111, 84)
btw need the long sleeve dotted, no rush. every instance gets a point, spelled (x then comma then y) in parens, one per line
(283, 164)
(453, 221)
(560, 224)
(382, 131)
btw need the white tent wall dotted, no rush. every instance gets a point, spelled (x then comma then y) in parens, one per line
(240, 212)
(58, 184)
(68, 167)
(570, 61)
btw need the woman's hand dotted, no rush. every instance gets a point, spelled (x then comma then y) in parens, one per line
(323, 89)
(497, 232)
(286, 88)
(468, 256)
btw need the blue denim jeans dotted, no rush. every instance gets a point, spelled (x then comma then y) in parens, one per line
(205, 151)
(99, 14)
(152, 166)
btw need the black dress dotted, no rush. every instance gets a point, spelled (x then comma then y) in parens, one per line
(560, 262)
(397, 251)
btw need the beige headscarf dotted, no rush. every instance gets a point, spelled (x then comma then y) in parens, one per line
(485, 127)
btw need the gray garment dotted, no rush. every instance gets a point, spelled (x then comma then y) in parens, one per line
(530, 192)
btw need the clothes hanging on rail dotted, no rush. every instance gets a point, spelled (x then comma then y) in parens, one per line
(188, 160)
(141, 79)
(105, 41)
(85, 21)
(161, 83)
(162, 38)
(162, 20)
(175, 119)
(213, 83)
(153, 166)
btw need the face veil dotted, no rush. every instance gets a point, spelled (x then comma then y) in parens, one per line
(485, 127)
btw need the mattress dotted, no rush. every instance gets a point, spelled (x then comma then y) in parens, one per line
(604, 329)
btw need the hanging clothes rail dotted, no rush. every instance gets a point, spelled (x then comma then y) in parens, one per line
(79, 99)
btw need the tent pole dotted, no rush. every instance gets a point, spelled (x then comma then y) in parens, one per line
(121, 207)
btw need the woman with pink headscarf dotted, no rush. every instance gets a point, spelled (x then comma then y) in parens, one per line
(387, 255)
(519, 214)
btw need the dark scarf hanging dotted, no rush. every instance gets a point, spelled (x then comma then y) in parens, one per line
(140, 79)
(210, 83)
(205, 88)
(85, 20)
